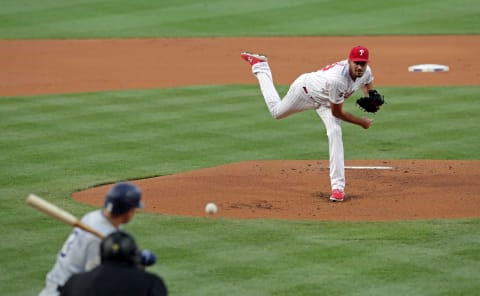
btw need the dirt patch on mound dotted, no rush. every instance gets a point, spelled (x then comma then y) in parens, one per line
(377, 191)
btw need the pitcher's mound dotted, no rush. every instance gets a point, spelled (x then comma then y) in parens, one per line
(376, 190)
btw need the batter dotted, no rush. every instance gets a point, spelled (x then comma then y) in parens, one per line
(81, 250)
(325, 91)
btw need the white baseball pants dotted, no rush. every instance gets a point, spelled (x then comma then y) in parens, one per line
(297, 100)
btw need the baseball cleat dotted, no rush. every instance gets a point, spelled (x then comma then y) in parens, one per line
(253, 58)
(337, 195)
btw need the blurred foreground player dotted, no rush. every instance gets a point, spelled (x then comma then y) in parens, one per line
(120, 272)
(80, 252)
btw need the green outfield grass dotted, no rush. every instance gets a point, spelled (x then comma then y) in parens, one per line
(27, 19)
(53, 145)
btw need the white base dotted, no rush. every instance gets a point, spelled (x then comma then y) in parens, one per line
(428, 68)
(369, 167)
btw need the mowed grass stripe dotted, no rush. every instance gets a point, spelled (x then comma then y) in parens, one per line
(167, 125)
(136, 19)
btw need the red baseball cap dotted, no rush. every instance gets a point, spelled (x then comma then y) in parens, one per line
(359, 54)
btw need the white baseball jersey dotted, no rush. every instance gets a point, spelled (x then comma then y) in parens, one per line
(333, 83)
(80, 252)
(315, 90)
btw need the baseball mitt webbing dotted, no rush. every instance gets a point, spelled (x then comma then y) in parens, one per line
(372, 103)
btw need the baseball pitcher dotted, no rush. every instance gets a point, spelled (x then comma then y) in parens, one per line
(325, 91)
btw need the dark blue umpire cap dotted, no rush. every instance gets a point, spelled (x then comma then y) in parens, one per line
(123, 197)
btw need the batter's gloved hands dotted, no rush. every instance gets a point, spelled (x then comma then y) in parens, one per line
(372, 103)
(147, 258)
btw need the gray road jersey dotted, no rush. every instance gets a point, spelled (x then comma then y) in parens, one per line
(81, 250)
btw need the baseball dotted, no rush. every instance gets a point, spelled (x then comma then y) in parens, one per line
(211, 208)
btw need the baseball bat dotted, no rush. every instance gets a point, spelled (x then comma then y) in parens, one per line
(58, 213)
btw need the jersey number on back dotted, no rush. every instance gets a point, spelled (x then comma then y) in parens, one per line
(68, 244)
(329, 67)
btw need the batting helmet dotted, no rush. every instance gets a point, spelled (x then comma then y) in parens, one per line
(119, 246)
(123, 197)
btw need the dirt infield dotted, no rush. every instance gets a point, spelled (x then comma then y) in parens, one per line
(67, 66)
(412, 189)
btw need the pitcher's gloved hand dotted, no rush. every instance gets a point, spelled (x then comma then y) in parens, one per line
(372, 103)
(147, 258)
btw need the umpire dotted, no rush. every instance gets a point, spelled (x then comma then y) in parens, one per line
(119, 273)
